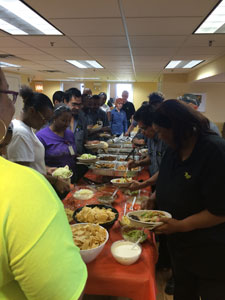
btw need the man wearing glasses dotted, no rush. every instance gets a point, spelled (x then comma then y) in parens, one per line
(78, 123)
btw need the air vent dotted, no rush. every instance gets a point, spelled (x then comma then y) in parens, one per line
(51, 71)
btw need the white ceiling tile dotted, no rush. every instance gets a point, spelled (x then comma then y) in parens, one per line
(90, 27)
(107, 51)
(199, 40)
(46, 41)
(162, 26)
(201, 50)
(153, 51)
(171, 8)
(100, 41)
(42, 57)
(18, 51)
(76, 9)
(64, 53)
(6, 42)
(156, 41)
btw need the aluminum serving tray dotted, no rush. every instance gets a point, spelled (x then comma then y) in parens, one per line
(119, 150)
(120, 145)
(103, 171)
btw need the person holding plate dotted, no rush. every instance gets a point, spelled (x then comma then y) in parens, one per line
(191, 187)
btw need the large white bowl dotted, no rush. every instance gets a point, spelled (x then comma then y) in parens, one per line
(91, 254)
(123, 259)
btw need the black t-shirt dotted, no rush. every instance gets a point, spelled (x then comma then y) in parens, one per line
(187, 187)
(129, 109)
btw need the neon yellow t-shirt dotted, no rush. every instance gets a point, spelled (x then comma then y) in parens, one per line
(38, 257)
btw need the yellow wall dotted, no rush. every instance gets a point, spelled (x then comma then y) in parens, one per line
(175, 85)
(49, 87)
(96, 87)
(141, 90)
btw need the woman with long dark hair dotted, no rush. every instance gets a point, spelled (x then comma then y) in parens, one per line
(191, 186)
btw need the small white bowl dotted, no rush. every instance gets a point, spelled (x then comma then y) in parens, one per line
(125, 256)
(91, 254)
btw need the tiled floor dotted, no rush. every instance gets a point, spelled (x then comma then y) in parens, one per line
(161, 278)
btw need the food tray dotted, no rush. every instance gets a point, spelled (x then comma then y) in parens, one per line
(119, 150)
(127, 173)
(103, 171)
(120, 145)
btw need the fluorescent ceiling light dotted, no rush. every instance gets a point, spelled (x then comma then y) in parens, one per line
(215, 22)
(85, 64)
(77, 64)
(172, 64)
(94, 64)
(182, 64)
(24, 18)
(4, 65)
(56, 79)
(124, 81)
(192, 64)
(10, 28)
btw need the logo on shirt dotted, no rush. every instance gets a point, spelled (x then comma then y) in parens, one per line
(187, 176)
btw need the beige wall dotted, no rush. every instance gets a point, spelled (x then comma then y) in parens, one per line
(141, 90)
(176, 85)
(49, 87)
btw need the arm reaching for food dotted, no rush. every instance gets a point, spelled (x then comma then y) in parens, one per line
(136, 185)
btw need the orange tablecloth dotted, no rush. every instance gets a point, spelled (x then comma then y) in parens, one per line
(108, 277)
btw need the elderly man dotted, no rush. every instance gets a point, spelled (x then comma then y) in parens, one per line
(128, 107)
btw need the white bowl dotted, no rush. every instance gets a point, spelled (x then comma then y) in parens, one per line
(91, 254)
(125, 257)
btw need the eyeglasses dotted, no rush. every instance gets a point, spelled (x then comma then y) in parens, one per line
(13, 95)
(42, 117)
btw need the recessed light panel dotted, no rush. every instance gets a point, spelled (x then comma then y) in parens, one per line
(215, 22)
(182, 64)
(85, 64)
(23, 20)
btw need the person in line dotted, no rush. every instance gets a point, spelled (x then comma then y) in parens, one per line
(58, 97)
(87, 91)
(118, 119)
(134, 123)
(191, 186)
(144, 116)
(155, 99)
(104, 106)
(59, 141)
(78, 123)
(128, 107)
(33, 257)
(78, 126)
(111, 102)
(25, 148)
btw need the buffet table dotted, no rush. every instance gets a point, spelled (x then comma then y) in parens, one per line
(108, 277)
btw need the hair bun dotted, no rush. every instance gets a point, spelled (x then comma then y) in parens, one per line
(26, 92)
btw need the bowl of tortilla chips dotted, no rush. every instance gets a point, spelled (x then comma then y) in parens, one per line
(101, 214)
(90, 238)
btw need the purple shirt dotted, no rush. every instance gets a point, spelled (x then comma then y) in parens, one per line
(57, 153)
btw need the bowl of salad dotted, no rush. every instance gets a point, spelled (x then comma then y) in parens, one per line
(133, 234)
(63, 173)
(87, 158)
(122, 182)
